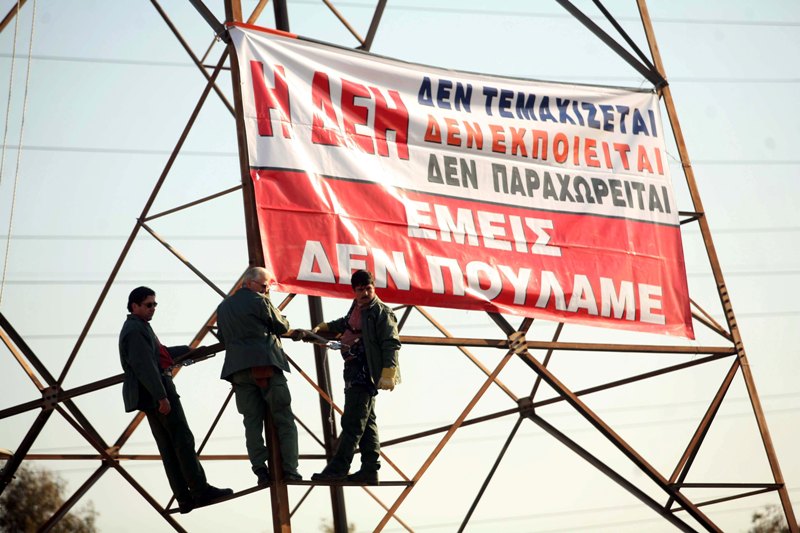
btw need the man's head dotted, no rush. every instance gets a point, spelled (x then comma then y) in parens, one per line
(363, 284)
(257, 279)
(142, 302)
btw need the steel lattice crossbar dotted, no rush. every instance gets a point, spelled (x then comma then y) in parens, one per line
(676, 505)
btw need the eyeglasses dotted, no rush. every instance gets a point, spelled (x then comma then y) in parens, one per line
(150, 305)
(263, 286)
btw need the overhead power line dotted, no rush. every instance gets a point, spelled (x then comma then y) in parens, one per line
(216, 153)
(556, 15)
(125, 151)
(615, 79)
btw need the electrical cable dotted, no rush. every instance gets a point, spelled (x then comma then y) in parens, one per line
(10, 91)
(19, 152)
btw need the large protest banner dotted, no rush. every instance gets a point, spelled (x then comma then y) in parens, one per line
(461, 190)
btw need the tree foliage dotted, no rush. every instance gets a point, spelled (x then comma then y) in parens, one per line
(770, 519)
(326, 526)
(32, 497)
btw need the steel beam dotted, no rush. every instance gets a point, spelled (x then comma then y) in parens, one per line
(689, 455)
(611, 473)
(189, 51)
(652, 75)
(570, 346)
(13, 462)
(194, 203)
(716, 268)
(124, 473)
(605, 430)
(67, 505)
(173, 156)
(279, 496)
(338, 508)
(11, 14)
(443, 442)
(373, 26)
(183, 260)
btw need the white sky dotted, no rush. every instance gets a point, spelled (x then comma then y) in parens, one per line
(108, 95)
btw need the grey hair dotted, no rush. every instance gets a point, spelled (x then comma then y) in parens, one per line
(253, 273)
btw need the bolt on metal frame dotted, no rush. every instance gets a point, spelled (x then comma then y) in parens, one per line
(55, 398)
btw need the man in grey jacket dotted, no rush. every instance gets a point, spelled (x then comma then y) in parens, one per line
(148, 387)
(250, 326)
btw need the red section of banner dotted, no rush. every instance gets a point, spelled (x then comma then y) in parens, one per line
(450, 252)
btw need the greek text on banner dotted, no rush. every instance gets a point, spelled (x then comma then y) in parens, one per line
(461, 190)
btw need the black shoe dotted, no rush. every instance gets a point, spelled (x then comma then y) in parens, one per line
(209, 494)
(329, 476)
(368, 477)
(262, 473)
(185, 506)
(292, 476)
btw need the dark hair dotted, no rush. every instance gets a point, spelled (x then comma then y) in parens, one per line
(138, 295)
(361, 277)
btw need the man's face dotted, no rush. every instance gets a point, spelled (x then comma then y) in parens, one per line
(260, 285)
(146, 309)
(364, 294)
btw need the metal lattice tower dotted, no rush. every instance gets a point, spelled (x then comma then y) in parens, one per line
(667, 493)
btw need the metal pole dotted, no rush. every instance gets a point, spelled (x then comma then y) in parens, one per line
(11, 14)
(686, 460)
(279, 495)
(373, 27)
(605, 430)
(67, 505)
(281, 15)
(702, 221)
(338, 508)
(12, 464)
(145, 211)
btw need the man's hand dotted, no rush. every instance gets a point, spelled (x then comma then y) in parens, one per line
(163, 406)
(322, 326)
(297, 334)
(387, 378)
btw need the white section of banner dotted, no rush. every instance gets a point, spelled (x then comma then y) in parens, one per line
(560, 147)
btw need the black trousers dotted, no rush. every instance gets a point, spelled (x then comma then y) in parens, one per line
(176, 446)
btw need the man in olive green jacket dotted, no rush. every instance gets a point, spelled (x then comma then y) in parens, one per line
(250, 326)
(370, 346)
(148, 387)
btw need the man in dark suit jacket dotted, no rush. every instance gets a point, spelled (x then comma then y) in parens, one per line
(148, 387)
(250, 326)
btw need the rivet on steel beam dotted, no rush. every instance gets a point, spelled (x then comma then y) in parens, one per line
(50, 397)
(517, 342)
(525, 406)
(113, 451)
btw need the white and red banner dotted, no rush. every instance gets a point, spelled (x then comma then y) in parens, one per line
(461, 190)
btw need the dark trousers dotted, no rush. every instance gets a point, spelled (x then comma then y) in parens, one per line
(252, 402)
(359, 430)
(176, 446)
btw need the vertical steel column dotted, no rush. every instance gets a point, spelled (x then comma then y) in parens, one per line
(722, 289)
(278, 493)
(338, 508)
(281, 15)
(233, 12)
